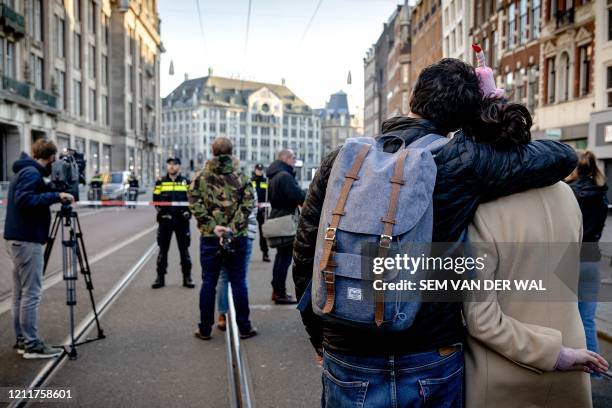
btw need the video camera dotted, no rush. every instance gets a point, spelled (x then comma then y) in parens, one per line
(68, 172)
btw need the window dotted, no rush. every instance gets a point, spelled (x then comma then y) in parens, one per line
(520, 86)
(532, 88)
(131, 115)
(104, 69)
(36, 71)
(76, 98)
(523, 21)
(93, 106)
(35, 20)
(609, 85)
(565, 79)
(585, 70)
(493, 62)
(61, 89)
(9, 69)
(253, 142)
(536, 12)
(453, 42)
(509, 86)
(91, 17)
(106, 28)
(105, 108)
(77, 51)
(551, 80)
(60, 38)
(131, 81)
(92, 61)
(511, 39)
(77, 10)
(460, 35)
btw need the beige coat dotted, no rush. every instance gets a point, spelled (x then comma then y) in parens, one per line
(514, 345)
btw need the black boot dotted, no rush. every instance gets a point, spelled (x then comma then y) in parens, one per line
(266, 257)
(187, 282)
(159, 282)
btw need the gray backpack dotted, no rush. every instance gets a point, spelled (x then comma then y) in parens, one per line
(376, 203)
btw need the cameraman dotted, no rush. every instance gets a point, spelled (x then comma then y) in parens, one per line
(26, 230)
(221, 199)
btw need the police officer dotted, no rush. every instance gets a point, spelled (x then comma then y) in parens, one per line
(173, 187)
(260, 184)
(133, 188)
(96, 186)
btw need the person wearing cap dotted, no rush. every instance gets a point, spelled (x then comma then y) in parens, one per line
(260, 184)
(172, 219)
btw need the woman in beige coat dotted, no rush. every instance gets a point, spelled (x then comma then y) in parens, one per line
(515, 343)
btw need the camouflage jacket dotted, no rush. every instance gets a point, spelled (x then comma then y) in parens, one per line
(220, 194)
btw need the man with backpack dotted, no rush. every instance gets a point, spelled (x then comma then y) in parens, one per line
(420, 359)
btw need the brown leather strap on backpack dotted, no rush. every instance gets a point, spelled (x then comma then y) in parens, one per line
(326, 265)
(397, 181)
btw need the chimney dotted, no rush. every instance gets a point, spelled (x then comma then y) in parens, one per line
(283, 81)
(186, 77)
(210, 71)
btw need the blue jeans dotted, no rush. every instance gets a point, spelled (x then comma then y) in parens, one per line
(222, 302)
(588, 289)
(428, 379)
(27, 259)
(236, 268)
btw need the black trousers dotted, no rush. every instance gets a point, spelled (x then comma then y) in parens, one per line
(180, 227)
(263, 244)
(282, 262)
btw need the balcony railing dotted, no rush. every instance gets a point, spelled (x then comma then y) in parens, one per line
(11, 21)
(19, 88)
(565, 17)
(45, 98)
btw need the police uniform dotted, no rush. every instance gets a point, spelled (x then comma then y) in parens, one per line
(96, 187)
(173, 219)
(260, 185)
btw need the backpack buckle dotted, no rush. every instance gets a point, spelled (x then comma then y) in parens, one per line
(385, 241)
(328, 274)
(330, 234)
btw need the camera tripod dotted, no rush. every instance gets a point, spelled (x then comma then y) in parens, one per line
(73, 256)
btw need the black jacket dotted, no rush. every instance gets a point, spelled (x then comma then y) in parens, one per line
(27, 213)
(168, 190)
(594, 207)
(468, 173)
(284, 192)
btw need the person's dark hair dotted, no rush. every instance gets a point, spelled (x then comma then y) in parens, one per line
(501, 123)
(447, 93)
(222, 145)
(43, 149)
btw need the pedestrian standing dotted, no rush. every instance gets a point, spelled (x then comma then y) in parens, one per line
(589, 187)
(285, 196)
(260, 184)
(172, 219)
(221, 199)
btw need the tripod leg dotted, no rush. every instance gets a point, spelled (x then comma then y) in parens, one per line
(51, 240)
(85, 270)
(69, 260)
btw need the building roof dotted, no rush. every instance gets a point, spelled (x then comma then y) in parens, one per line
(229, 92)
(338, 103)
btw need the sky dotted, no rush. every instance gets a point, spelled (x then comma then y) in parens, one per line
(313, 54)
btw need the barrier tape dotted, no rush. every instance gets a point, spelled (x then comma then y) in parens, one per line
(123, 203)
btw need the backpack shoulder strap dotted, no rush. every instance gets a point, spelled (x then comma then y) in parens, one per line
(327, 264)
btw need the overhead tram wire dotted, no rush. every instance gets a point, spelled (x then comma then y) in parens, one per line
(310, 22)
(201, 27)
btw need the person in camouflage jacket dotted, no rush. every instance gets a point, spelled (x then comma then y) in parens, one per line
(221, 199)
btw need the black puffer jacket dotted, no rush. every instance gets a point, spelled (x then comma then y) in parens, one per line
(284, 192)
(594, 207)
(468, 173)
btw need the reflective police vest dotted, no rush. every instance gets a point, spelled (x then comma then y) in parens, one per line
(168, 190)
